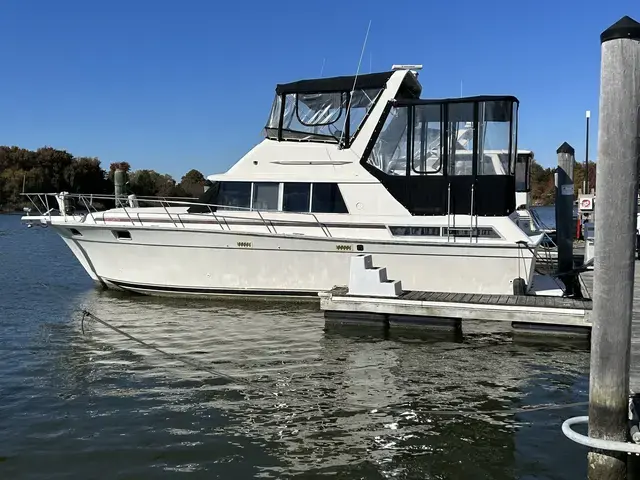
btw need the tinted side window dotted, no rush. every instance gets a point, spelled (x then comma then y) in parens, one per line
(326, 198)
(415, 231)
(295, 197)
(265, 195)
(235, 195)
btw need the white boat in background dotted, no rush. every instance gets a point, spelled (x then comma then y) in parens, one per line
(348, 165)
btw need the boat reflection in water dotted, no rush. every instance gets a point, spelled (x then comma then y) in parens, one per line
(294, 404)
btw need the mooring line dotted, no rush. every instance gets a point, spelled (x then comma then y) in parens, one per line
(187, 361)
(372, 409)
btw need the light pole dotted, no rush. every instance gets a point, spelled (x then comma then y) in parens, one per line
(586, 156)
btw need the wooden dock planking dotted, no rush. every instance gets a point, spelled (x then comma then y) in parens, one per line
(465, 306)
(503, 300)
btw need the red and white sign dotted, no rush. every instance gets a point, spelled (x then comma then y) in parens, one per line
(586, 203)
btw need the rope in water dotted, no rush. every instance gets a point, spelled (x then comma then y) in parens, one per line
(373, 409)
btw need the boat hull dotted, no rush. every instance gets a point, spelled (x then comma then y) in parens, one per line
(190, 262)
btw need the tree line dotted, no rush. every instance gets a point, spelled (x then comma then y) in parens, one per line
(50, 170)
(543, 181)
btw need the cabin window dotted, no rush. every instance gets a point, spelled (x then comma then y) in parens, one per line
(460, 126)
(326, 198)
(271, 129)
(389, 152)
(427, 147)
(296, 197)
(293, 197)
(234, 195)
(480, 232)
(75, 232)
(362, 102)
(495, 138)
(313, 116)
(319, 109)
(415, 231)
(321, 116)
(265, 196)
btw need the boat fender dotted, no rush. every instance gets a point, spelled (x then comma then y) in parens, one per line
(519, 286)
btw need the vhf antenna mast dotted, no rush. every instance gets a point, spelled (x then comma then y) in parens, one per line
(355, 80)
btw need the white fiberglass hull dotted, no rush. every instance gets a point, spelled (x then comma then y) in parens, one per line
(181, 261)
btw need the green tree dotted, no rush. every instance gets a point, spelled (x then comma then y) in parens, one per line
(149, 183)
(86, 175)
(542, 184)
(192, 183)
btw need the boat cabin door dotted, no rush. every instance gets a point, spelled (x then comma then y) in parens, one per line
(479, 154)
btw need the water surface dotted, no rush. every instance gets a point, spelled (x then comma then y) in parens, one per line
(295, 401)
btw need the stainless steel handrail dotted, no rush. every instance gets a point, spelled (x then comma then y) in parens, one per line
(165, 202)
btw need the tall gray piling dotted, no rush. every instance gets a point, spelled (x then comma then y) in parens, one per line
(564, 213)
(616, 206)
(118, 182)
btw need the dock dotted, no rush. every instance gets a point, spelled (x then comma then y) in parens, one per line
(370, 298)
(438, 309)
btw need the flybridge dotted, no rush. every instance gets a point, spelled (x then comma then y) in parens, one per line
(334, 110)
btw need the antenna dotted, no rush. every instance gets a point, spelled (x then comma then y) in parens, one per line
(322, 69)
(355, 80)
(460, 88)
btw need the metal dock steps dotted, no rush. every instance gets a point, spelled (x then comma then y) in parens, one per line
(373, 300)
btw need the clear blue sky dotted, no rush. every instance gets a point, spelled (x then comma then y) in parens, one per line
(173, 85)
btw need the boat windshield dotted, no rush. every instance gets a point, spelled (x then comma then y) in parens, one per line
(320, 117)
(331, 109)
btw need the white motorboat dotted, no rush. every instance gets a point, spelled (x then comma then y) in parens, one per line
(348, 165)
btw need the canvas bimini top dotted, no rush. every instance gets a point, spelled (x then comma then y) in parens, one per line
(345, 84)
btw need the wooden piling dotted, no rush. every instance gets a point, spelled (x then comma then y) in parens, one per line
(118, 183)
(564, 212)
(617, 187)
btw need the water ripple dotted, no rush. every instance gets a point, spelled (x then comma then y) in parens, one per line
(308, 402)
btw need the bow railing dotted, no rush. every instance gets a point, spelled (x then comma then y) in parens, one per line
(102, 208)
